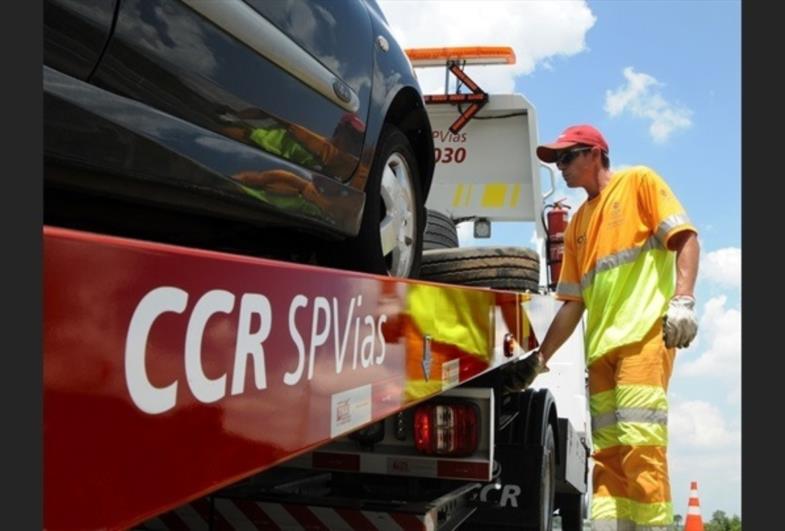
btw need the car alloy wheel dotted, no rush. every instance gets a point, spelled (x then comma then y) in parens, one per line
(393, 221)
(398, 224)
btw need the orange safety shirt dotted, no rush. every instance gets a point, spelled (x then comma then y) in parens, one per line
(616, 258)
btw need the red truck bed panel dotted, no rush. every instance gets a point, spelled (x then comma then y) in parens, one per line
(145, 403)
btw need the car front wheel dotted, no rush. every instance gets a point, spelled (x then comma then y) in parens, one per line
(391, 237)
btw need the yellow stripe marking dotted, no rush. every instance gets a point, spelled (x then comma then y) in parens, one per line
(516, 195)
(493, 197)
(456, 200)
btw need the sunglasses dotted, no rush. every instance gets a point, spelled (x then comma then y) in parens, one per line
(565, 157)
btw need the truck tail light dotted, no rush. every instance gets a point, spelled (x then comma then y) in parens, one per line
(448, 429)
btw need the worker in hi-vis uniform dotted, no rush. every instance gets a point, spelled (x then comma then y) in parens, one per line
(630, 260)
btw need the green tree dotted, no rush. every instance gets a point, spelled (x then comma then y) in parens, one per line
(721, 522)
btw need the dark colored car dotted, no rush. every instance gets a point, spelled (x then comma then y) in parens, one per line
(264, 126)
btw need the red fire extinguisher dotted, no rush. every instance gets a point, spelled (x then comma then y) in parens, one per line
(554, 243)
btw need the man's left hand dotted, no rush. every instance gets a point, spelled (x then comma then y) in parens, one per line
(680, 325)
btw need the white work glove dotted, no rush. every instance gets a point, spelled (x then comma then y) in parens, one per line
(525, 371)
(680, 324)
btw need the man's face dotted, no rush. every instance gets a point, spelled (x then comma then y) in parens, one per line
(575, 164)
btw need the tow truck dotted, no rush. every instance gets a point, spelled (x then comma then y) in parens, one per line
(193, 389)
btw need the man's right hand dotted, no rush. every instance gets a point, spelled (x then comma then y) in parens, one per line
(525, 371)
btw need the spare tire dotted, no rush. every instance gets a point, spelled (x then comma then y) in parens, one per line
(508, 268)
(440, 231)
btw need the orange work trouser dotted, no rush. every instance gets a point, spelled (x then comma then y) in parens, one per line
(627, 388)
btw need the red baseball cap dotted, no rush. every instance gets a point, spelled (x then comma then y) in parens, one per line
(574, 135)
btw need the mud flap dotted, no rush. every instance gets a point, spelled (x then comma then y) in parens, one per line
(506, 503)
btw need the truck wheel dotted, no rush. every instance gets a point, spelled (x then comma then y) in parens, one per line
(509, 268)
(538, 482)
(391, 235)
(539, 492)
(571, 511)
(440, 231)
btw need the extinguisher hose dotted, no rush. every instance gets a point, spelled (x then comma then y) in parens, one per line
(547, 244)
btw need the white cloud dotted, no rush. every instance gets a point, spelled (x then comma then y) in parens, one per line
(640, 97)
(189, 50)
(699, 424)
(734, 396)
(537, 31)
(722, 267)
(719, 481)
(720, 331)
(704, 446)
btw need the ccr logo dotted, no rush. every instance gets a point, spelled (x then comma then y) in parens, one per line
(508, 493)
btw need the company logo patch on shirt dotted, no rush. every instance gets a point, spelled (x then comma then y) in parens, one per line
(615, 215)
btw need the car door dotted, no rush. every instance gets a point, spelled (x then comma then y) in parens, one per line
(339, 36)
(75, 34)
(290, 77)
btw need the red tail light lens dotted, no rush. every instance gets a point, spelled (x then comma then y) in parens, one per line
(448, 429)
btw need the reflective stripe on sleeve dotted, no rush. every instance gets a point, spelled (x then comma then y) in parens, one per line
(568, 289)
(670, 223)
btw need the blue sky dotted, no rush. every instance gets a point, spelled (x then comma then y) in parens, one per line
(662, 81)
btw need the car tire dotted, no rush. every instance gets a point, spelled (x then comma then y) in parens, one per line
(391, 236)
(440, 231)
(507, 268)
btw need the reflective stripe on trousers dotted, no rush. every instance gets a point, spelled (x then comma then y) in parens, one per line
(629, 410)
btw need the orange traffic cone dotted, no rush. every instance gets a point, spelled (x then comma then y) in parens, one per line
(694, 522)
